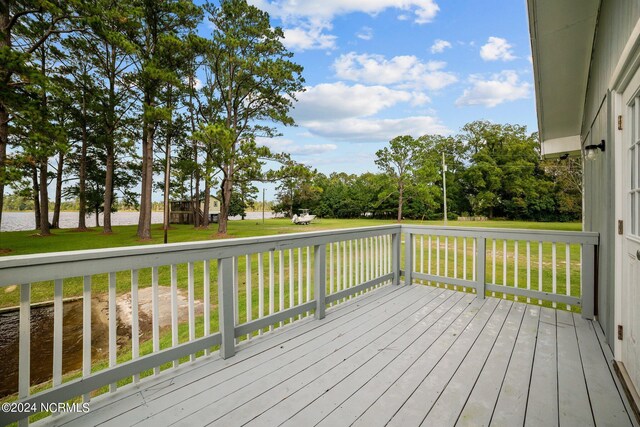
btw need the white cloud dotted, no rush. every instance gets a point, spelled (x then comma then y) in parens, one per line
(439, 46)
(365, 33)
(343, 112)
(405, 71)
(331, 101)
(309, 35)
(376, 130)
(291, 10)
(497, 49)
(503, 87)
(291, 147)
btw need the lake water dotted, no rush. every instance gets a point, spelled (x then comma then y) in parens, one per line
(17, 221)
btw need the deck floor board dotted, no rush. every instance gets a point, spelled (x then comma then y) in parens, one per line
(405, 355)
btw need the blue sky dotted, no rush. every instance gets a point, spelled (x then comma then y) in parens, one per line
(375, 69)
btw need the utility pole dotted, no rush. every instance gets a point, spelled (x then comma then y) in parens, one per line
(263, 191)
(444, 187)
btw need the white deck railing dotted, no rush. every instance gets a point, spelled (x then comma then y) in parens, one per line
(251, 286)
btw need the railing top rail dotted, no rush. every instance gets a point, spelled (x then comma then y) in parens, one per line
(48, 266)
(585, 237)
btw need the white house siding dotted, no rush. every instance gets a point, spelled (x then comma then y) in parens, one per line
(615, 23)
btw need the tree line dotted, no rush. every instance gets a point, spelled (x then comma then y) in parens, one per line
(111, 100)
(492, 170)
(101, 97)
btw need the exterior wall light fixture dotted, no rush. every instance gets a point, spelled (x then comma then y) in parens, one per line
(591, 151)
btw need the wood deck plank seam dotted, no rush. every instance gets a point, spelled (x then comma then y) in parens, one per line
(521, 333)
(435, 371)
(584, 375)
(504, 375)
(451, 298)
(257, 348)
(533, 361)
(478, 305)
(400, 310)
(270, 342)
(480, 308)
(365, 362)
(419, 306)
(466, 359)
(445, 329)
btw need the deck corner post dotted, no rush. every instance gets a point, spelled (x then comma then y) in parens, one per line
(225, 307)
(481, 281)
(408, 257)
(395, 257)
(320, 279)
(589, 262)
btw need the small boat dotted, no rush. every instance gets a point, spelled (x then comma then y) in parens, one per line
(304, 218)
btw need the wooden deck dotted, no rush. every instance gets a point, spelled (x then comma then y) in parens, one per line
(401, 356)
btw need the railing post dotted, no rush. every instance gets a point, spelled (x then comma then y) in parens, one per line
(320, 279)
(408, 258)
(225, 307)
(481, 248)
(395, 257)
(589, 260)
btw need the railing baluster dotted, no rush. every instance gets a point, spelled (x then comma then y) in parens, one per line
(319, 253)
(345, 284)
(135, 324)
(446, 259)
(308, 276)
(174, 309)
(260, 288)
(248, 290)
(588, 261)
(528, 269)
(363, 261)
(482, 264)
(272, 281)
(191, 299)
(473, 260)
(515, 267)
(350, 264)
(113, 331)
(281, 283)
(300, 279)
(338, 268)
(429, 260)
(24, 344)
(206, 272)
(408, 249)
(540, 270)
(58, 316)
(225, 307)
(504, 267)
(567, 255)
(414, 250)
(155, 315)
(493, 265)
(356, 252)
(236, 293)
(464, 258)
(554, 283)
(422, 256)
(291, 282)
(455, 261)
(438, 257)
(86, 331)
(331, 284)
